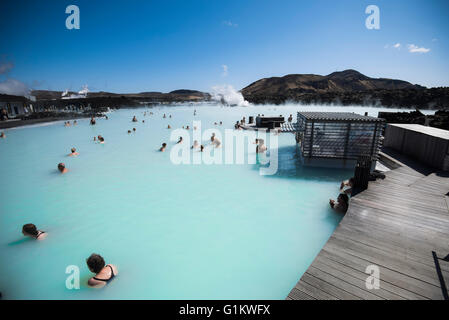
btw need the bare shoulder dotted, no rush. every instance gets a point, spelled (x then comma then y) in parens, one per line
(114, 268)
(42, 236)
(95, 283)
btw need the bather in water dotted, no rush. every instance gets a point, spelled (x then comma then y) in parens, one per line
(162, 149)
(93, 121)
(62, 168)
(73, 152)
(30, 230)
(134, 119)
(2, 135)
(180, 140)
(342, 203)
(103, 272)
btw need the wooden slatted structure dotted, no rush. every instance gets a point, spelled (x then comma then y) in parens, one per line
(337, 138)
(396, 225)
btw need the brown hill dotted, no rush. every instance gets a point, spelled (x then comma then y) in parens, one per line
(343, 81)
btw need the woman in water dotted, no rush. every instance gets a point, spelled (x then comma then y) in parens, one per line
(134, 119)
(30, 230)
(103, 272)
(62, 168)
(92, 121)
(162, 149)
(2, 135)
(342, 203)
(101, 139)
(73, 152)
(180, 140)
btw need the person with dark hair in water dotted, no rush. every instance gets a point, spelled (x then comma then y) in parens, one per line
(93, 121)
(30, 230)
(134, 119)
(73, 152)
(347, 186)
(162, 149)
(2, 135)
(100, 139)
(62, 168)
(342, 203)
(103, 272)
(180, 140)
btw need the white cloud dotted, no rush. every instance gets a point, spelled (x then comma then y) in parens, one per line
(397, 46)
(225, 70)
(14, 87)
(415, 49)
(230, 23)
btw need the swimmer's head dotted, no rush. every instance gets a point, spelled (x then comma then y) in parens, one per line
(73, 150)
(95, 263)
(29, 229)
(164, 145)
(61, 166)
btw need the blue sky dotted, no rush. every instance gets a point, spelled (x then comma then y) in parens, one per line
(137, 45)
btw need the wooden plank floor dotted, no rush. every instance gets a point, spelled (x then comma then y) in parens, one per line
(395, 225)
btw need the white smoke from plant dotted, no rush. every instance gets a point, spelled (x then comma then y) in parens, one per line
(14, 87)
(226, 94)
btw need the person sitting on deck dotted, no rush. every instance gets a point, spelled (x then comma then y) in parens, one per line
(4, 115)
(162, 149)
(62, 168)
(30, 230)
(103, 272)
(342, 203)
(73, 152)
(346, 186)
(93, 121)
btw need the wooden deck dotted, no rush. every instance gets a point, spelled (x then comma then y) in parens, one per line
(395, 225)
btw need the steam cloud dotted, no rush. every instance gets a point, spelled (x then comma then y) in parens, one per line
(14, 87)
(226, 94)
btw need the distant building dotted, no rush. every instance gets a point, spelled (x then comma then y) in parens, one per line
(337, 139)
(15, 105)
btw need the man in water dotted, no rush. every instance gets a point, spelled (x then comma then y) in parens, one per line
(62, 168)
(180, 140)
(162, 149)
(73, 152)
(2, 135)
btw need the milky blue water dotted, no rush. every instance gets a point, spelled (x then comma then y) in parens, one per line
(174, 231)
